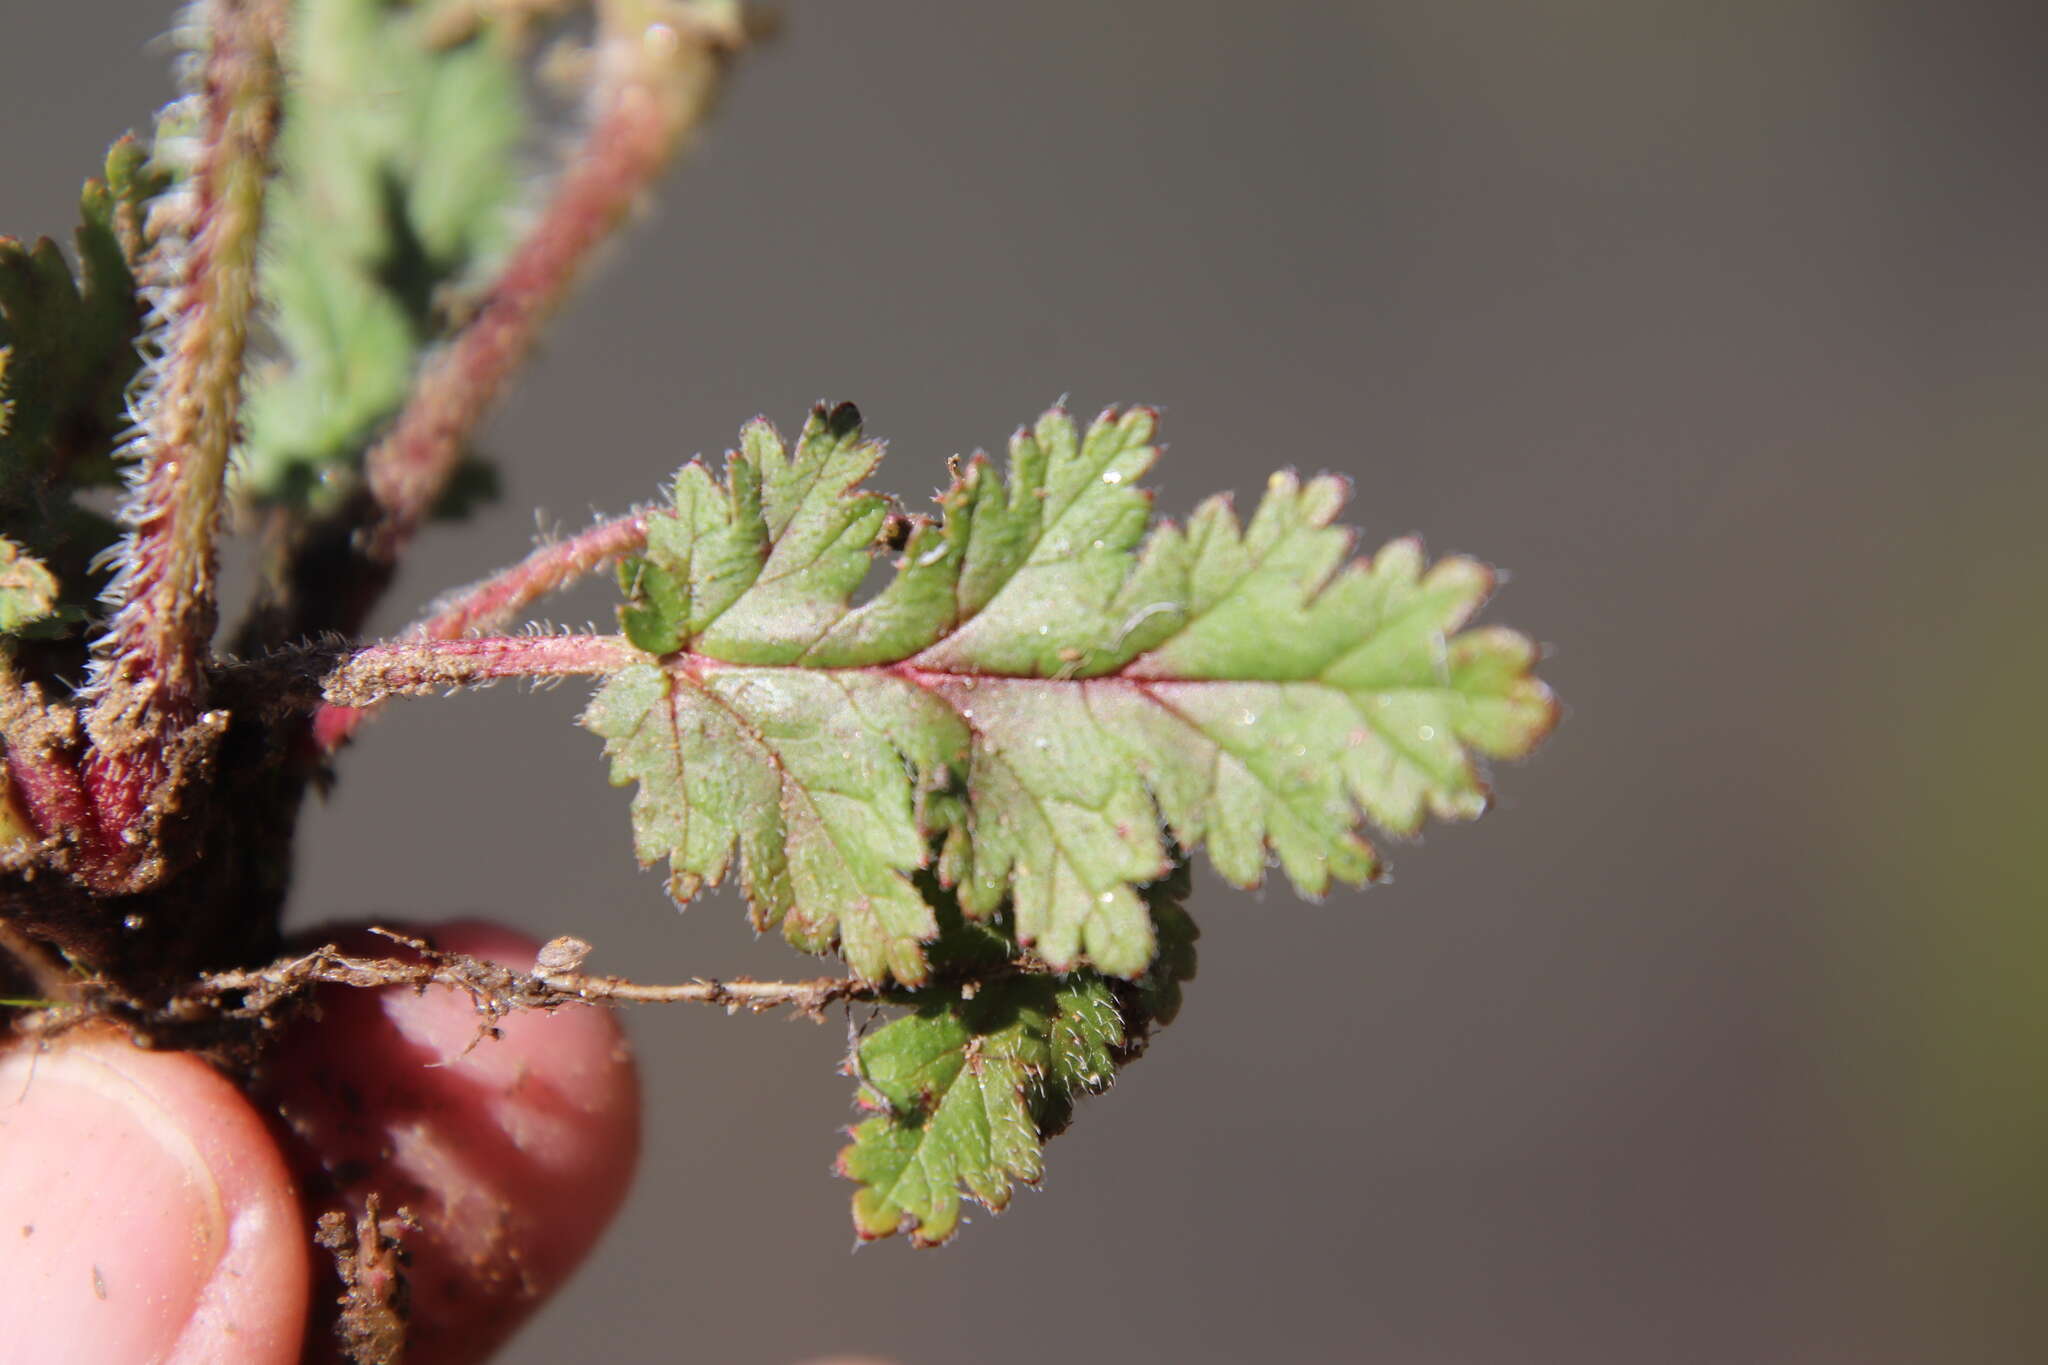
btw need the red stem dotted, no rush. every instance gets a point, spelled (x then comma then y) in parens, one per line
(495, 602)
(400, 667)
(637, 125)
(55, 798)
(149, 667)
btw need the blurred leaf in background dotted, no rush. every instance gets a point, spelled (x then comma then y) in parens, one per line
(400, 170)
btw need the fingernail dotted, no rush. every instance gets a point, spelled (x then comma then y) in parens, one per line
(115, 1226)
(110, 1222)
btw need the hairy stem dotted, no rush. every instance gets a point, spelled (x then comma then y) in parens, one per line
(415, 667)
(149, 666)
(498, 600)
(657, 72)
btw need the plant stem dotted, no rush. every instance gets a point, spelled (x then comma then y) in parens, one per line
(149, 670)
(44, 789)
(54, 797)
(498, 990)
(498, 600)
(414, 667)
(738, 994)
(657, 73)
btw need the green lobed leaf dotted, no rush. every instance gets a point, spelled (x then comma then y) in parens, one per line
(957, 1081)
(1057, 695)
(967, 1088)
(786, 766)
(67, 355)
(70, 338)
(399, 170)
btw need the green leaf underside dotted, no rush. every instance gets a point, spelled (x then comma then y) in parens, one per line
(67, 355)
(1048, 692)
(399, 168)
(968, 1087)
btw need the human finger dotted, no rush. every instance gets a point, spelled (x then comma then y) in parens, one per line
(511, 1148)
(146, 1212)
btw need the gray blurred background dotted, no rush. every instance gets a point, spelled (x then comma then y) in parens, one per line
(1723, 326)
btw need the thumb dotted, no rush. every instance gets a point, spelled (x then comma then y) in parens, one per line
(145, 1211)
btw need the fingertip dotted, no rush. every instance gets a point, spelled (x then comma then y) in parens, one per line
(146, 1210)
